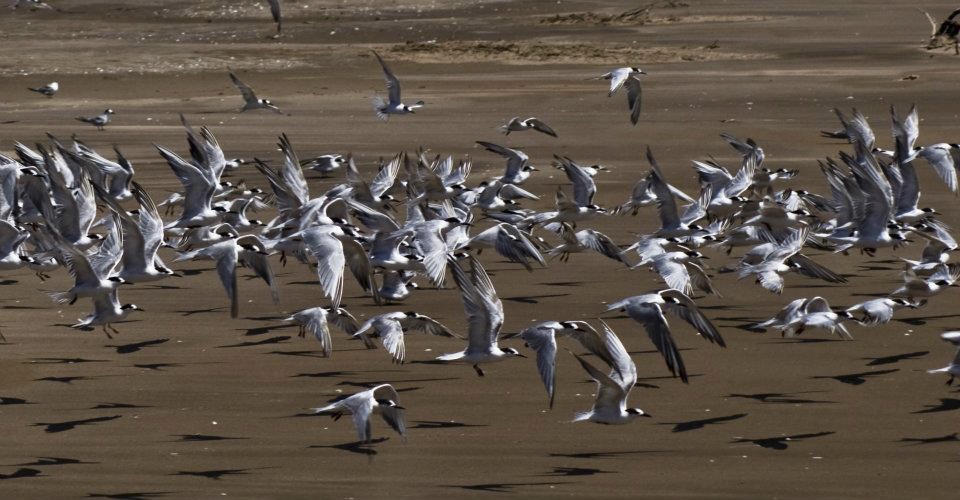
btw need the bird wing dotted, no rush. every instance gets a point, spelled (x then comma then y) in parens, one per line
(689, 312)
(666, 205)
(393, 84)
(248, 94)
(428, 325)
(543, 341)
(634, 98)
(940, 158)
(617, 78)
(584, 187)
(539, 126)
(385, 178)
(328, 250)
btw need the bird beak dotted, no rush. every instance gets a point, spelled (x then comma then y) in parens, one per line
(645, 414)
(399, 408)
(520, 355)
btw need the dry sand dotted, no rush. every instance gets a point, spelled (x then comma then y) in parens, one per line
(183, 368)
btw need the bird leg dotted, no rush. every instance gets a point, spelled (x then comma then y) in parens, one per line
(303, 332)
(107, 332)
(479, 371)
(950, 381)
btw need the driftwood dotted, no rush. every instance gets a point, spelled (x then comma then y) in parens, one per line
(946, 34)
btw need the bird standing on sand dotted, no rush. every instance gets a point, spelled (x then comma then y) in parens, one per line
(98, 121)
(48, 90)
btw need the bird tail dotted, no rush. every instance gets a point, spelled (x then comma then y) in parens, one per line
(581, 416)
(378, 105)
(61, 297)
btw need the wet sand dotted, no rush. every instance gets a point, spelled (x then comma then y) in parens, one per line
(124, 415)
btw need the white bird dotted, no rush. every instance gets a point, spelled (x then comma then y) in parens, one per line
(10, 240)
(878, 311)
(518, 166)
(943, 277)
(516, 125)
(671, 222)
(382, 400)
(324, 164)
(614, 388)
(142, 239)
(48, 90)
(508, 241)
(585, 240)
(648, 310)
(317, 321)
(247, 250)
(390, 327)
(815, 313)
(484, 317)
(106, 311)
(542, 338)
(393, 105)
(250, 99)
(681, 270)
(98, 121)
(953, 369)
(199, 184)
(628, 77)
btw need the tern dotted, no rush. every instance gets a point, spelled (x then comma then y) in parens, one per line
(393, 105)
(542, 338)
(250, 99)
(815, 313)
(390, 327)
(953, 369)
(98, 121)
(878, 311)
(518, 166)
(516, 125)
(628, 77)
(614, 388)
(48, 90)
(316, 320)
(484, 317)
(107, 310)
(382, 400)
(648, 310)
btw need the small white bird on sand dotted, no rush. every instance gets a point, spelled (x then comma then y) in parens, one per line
(953, 369)
(48, 90)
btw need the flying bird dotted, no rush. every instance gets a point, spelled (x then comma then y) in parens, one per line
(381, 400)
(250, 99)
(393, 105)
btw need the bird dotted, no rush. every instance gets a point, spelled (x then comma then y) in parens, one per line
(275, 12)
(390, 327)
(484, 312)
(628, 77)
(316, 320)
(815, 313)
(48, 90)
(32, 4)
(107, 310)
(613, 389)
(250, 99)
(648, 309)
(98, 121)
(392, 105)
(382, 400)
(585, 240)
(914, 286)
(518, 166)
(249, 251)
(542, 338)
(324, 164)
(953, 369)
(878, 311)
(516, 125)
(672, 223)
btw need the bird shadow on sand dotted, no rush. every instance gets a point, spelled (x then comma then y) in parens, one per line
(563, 283)
(692, 425)
(856, 378)
(306, 354)
(51, 461)
(116, 406)
(155, 366)
(191, 312)
(360, 447)
(946, 404)
(576, 471)
(64, 380)
(605, 454)
(781, 443)
(370, 384)
(63, 361)
(132, 495)
(137, 346)
(216, 473)
(190, 438)
(4, 401)
(533, 299)
(260, 330)
(780, 398)
(322, 374)
(8, 282)
(922, 320)
(434, 424)
(21, 473)
(798, 340)
(500, 487)
(54, 427)
(895, 358)
(949, 438)
(272, 340)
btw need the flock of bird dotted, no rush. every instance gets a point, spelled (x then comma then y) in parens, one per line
(66, 205)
